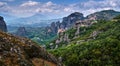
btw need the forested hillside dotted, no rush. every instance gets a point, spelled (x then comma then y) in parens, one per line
(99, 45)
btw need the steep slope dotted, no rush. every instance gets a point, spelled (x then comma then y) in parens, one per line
(79, 26)
(3, 26)
(98, 45)
(15, 51)
(70, 20)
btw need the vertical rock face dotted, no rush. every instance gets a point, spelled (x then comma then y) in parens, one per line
(54, 27)
(3, 26)
(71, 19)
(67, 22)
(21, 32)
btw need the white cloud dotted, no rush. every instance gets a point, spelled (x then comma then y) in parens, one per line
(68, 9)
(29, 3)
(2, 4)
(30, 8)
(92, 6)
(48, 4)
(7, 0)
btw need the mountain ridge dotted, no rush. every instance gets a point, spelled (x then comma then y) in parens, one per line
(71, 19)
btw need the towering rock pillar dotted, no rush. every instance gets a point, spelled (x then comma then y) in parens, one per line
(3, 26)
(21, 32)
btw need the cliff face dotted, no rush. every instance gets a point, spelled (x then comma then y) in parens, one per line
(67, 22)
(15, 51)
(70, 20)
(77, 25)
(3, 26)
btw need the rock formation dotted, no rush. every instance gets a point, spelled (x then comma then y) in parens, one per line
(21, 32)
(66, 23)
(70, 20)
(3, 26)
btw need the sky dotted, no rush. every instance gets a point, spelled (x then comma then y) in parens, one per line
(55, 8)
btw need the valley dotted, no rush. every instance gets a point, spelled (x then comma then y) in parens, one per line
(53, 33)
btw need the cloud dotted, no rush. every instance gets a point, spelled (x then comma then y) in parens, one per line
(29, 3)
(48, 4)
(68, 9)
(2, 4)
(92, 6)
(29, 8)
(4, 7)
(7, 0)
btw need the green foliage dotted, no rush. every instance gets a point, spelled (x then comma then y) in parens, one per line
(71, 32)
(117, 17)
(102, 51)
(40, 35)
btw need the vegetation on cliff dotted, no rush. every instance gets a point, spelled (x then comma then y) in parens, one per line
(101, 49)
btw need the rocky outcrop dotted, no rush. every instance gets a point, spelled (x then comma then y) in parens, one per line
(3, 26)
(16, 51)
(21, 32)
(54, 27)
(77, 21)
(94, 34)
(66, 23)
(104, 15)
(70, 20)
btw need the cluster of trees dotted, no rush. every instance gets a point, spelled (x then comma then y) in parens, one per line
(102, 51)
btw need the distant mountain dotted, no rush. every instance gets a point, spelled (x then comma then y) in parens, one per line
(36, 20)
(21, 32)
(7, 17)
(3, 26)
